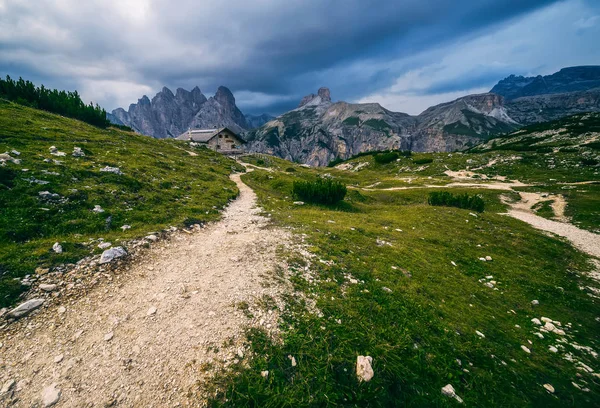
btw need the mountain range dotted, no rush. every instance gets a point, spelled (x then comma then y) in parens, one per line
(320, 130)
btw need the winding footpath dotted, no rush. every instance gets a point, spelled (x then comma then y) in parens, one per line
(146, 338)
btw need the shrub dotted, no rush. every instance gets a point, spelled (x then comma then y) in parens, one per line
(424, 160)
(335, 162)
(290, 170)
(466, 201)
(385, 158)
(320, 191)
(589, 162)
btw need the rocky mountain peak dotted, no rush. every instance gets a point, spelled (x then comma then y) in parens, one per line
(323, 96)
(225, 97)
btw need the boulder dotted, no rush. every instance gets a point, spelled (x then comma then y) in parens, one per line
(25, 308)
(57, 248)
(77, 152)
(112, 253)
(114, 170)
(364, 371)
(50, 396)
(48, 287)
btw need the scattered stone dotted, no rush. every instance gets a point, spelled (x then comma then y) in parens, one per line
(59, 358)
(385, 289)
(50, 396)
(151, 311)
(48, 287)
(448, 391)
(97, 209)
(535, 320)
(125, 227)
(553, 349)
(264, 374)
(546, 320)
(77, 152)
(108, 336)
(104, 245)
(25, 308)
(47, 195)
(298, 202)
(112, 253)
(293, 360)
(364, 371)
(549, 326)
(549, 388)
(480, 334)
(54, 152)
(535, 302)
(4, 157)
(61, 310)
(152, 238)
(488, 258)
(57, 248)
(453, 263)
(526, 350)
(7, 386)
(114, 170)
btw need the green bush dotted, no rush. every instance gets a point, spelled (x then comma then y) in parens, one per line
(424, 160)
(320, 191)
(385, 158)
(290, 170)
(589, 162)
(466, 201)
(335, 162)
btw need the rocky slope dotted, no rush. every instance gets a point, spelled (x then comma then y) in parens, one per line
(570, 79)
(256, 121)
(319, 130)
(169, 115)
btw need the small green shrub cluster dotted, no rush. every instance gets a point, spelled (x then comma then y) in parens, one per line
(385, 158)
(290, 170)
(320, 191)
(466, 201)
(425, 160)
(589, 162)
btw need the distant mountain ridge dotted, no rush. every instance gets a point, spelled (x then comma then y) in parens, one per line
(320, 130)
(169, 115)
(571, 79)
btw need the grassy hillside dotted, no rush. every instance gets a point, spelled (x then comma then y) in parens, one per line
(402, 281)
(162, 183)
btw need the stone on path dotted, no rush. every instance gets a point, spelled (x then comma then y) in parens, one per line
(48, 287)
(364, 371)
(151, 311)
(7, 386)
(25, 308)
(59, 358)
(112, 253)
(50, 395)
(108, 336)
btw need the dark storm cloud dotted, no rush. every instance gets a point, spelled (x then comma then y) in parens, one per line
(270, 53)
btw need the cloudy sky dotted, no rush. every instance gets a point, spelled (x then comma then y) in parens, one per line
(406, 55)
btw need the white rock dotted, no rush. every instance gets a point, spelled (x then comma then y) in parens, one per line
(489, 277)
(540, 335)
(152, 238)
(449, 391)
(525, 349)
(293, 360)
(61, 310)
(59, 358)
(112, 253)
(7, 386)
(535, 302)
(553, 349)
(298, 202)
(57, 248)
(48, 287)
(25, 308)
(265, 373)
(364, 371)
(549, 326)
(489, 285)
(488, 258)
(151, 311)
(77, 152)
(480, 334)
(535, 320)
(108, 336)
(385, 289)
(546, 320)
(50, 396)
(114, 170)
(453, 263)
(104, 245)
(549, 388)
(125, 227)
(97, 209)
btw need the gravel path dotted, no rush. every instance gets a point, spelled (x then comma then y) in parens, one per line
(143, 340)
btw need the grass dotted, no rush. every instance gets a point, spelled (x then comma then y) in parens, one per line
(421, 335)
(161, 185)
(544, 209)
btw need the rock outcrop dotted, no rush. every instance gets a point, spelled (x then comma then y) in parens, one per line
(256, 121)
(169, 115)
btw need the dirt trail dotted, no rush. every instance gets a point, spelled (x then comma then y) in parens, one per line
(116, 352)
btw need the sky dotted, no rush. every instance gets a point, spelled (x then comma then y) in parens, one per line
(406, 55)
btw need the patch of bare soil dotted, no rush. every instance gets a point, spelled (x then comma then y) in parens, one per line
(147, 339)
